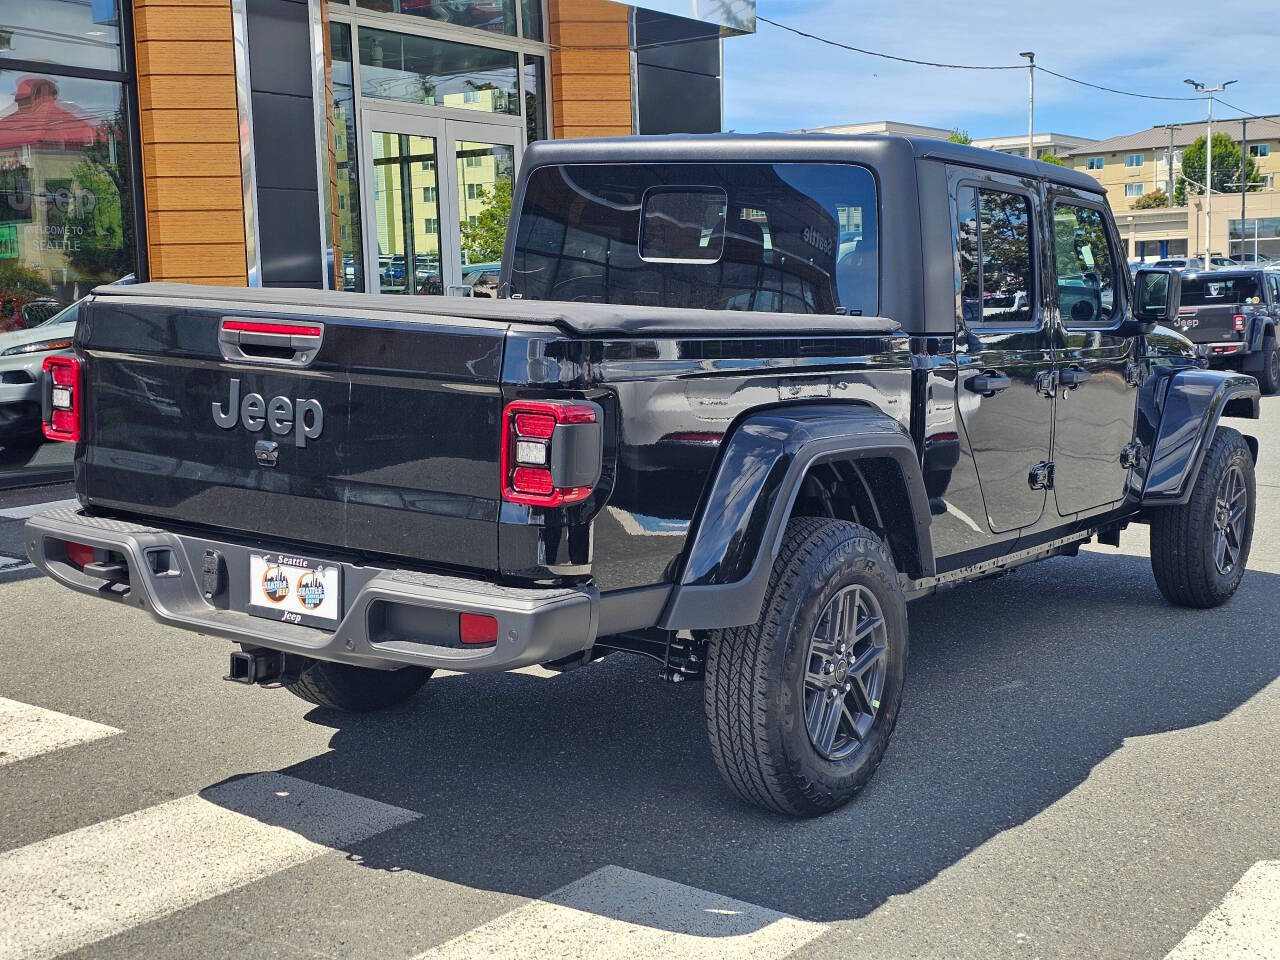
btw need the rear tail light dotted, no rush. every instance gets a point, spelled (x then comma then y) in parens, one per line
(477, 629)
(63, 421)
(550, 452)
(1237, 323)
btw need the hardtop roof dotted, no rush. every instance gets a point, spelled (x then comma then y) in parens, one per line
(795, 147)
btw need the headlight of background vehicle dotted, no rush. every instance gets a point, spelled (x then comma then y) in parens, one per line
(42, 346)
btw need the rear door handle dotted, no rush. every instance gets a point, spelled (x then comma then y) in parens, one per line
(988, 383)
(1071, 377)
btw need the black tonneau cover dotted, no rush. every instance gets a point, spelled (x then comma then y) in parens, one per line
(588, 319)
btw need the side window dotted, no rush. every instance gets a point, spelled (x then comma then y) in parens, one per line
(1086, 271)
(995, 256)
(1275, 288)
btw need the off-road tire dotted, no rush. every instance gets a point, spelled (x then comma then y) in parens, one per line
(1269, 375)
(355, 689)
(754, 694)
(1182, 536)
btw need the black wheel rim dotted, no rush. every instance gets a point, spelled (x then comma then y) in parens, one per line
(845, 673)
(1274, 362)
(1230, 508)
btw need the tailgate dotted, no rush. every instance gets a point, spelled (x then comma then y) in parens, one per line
(1208, 324)
(354, 430)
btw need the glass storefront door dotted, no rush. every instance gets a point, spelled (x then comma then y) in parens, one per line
(437, 197)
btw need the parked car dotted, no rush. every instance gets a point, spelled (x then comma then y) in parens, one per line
(1180, 263)
(359, 502)
(21, 313)
(1232, 317)
(22, 354)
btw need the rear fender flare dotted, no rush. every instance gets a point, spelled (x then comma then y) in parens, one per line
(743, 515)
(1193, 404)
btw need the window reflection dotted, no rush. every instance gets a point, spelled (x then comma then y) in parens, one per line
(495, 16)
(346, 149)
(76, 33)
(994, 256)
(1085, 269)
(438, 73)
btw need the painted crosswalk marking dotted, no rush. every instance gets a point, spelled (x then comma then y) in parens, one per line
(31, 509)
(81, 887)
(617, 912)
(27, 731)
(1245, 925)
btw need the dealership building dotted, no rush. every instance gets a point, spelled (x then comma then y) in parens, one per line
(364, 145)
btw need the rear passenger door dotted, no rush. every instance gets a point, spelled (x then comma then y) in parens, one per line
(1003, 351)
(1096, 404)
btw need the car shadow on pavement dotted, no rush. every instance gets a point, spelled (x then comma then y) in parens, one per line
(1017, 687)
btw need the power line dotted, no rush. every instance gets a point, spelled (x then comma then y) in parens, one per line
(889, 56)
(1095, 86)
(965, 66)
(1247, 114)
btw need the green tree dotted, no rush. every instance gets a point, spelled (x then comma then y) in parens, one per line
(1149, 201)
(483, 242)
(1226, 168)
(960, 136)
(101, 227)
(1053, 158)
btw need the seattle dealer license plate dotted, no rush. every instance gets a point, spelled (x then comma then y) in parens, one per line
(295, 590)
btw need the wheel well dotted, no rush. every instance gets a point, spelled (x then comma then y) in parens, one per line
(871, 492)
(1241, 407)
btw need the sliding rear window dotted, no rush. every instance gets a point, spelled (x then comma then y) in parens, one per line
(782, 237)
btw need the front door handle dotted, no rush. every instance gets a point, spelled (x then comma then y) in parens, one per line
(988, 383)
(1072, 377)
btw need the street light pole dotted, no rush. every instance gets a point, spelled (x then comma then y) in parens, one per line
(1030, 57)
(1208, 164)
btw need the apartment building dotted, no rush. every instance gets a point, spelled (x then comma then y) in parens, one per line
(1137, 164)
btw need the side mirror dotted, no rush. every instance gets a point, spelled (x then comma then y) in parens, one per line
(1156, 296)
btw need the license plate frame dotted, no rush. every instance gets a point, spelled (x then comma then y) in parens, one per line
(293, 589)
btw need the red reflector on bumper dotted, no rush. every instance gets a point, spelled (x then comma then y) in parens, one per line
(80, 554)
(477, 629)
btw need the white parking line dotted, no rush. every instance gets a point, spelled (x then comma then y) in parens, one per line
(31, 509)
(1245, 926)
(78, 888)
(27, 731)
(615, 912)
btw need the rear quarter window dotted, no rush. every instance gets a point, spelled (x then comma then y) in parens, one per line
(784, 237)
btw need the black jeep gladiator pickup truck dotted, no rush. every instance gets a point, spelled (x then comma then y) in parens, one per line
(740, 399)
(1231, 316)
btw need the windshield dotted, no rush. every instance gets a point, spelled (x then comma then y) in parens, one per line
(1216, 290)
(67, 315)
(786, 237)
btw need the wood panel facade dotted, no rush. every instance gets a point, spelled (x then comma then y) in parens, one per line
(189, 127)
(590, 68)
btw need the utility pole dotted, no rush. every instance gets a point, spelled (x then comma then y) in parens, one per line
(1030, 57)
(1208, 164)
(1169, 194)
(1244, 181)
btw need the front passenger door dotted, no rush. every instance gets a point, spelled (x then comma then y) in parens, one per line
(1096, 403)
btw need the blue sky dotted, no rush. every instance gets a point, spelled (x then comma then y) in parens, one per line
(778, 81)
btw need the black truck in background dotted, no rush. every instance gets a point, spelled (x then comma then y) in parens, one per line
(1232, 316)
(740, 400)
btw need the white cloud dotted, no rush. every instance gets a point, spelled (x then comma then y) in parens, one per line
(778, 81)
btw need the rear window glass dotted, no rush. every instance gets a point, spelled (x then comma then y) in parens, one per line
(784, 237)
(1208, 291)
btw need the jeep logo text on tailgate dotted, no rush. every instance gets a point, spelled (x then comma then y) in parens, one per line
(281, 414)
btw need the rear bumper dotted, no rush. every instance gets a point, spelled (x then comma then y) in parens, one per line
(1222, 351)
(391, 617)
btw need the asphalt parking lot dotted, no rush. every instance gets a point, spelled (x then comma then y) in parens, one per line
(1079, 770)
